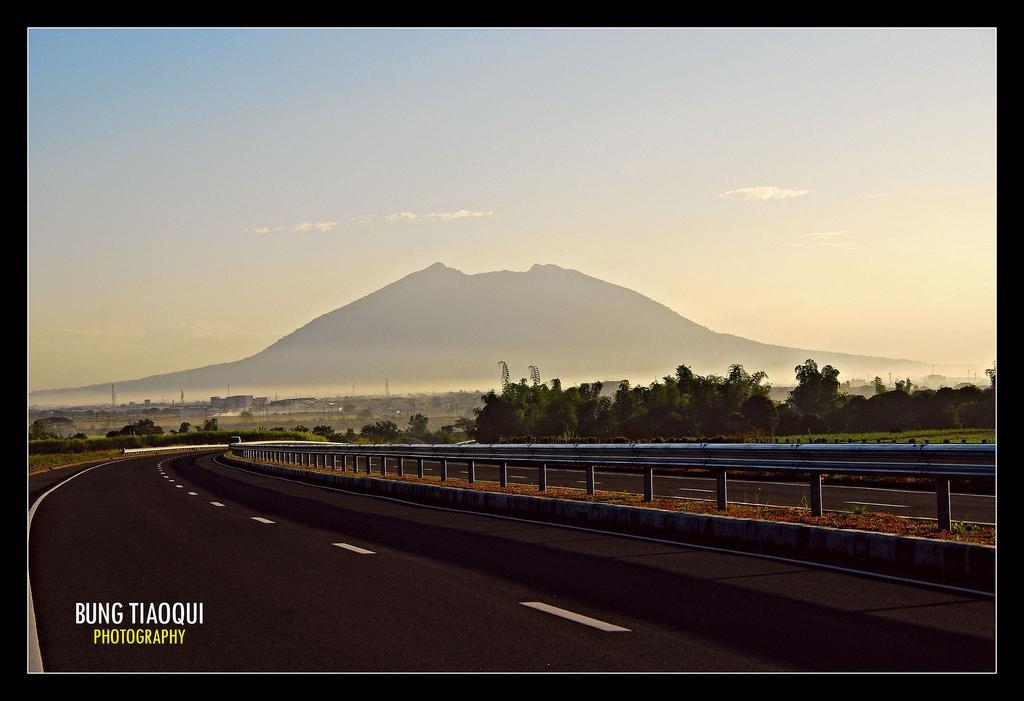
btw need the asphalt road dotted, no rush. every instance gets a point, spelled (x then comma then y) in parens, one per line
(298, 577)
(901, 502)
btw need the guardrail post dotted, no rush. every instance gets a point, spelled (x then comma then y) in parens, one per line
(815, 494)
(471, 471)
(401, 466)
(334, 462)
(590, 479)
(942, 493)
(648, 484)
(722, 490)
(444, 469)
(383, 464)
(369, 464)
(419, 468)
(503, 474)
(542, 476)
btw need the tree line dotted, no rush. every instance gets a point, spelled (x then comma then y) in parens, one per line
(386, 431)
(687, 406)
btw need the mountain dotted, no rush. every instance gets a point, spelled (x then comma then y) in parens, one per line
(441, 328)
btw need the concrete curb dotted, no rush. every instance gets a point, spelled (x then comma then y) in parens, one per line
(947, 560)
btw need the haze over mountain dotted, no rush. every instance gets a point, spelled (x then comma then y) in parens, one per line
(440, 328)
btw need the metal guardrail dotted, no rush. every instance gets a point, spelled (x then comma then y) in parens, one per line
(172, 449)
(940, 462)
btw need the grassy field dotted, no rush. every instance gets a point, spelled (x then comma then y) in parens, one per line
(936, 435)
(340, 422)
(51, 461)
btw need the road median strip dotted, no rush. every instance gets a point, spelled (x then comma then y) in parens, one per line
(947, 560)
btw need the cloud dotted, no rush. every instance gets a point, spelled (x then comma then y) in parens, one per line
(763, 192)
(318, 225)
(460, 214)
(876, 196)
(444, 216)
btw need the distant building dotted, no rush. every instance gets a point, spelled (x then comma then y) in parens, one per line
(294, 403)
(236, 401)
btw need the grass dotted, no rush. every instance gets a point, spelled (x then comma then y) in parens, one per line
(88, 445)
(52, 461)
(874, 521)
(934, 435)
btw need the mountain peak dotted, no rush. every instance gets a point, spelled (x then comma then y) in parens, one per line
(546, 268)
(439, 267)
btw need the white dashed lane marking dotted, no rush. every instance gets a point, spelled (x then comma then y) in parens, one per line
(261, 519)
(216, 503)
(360, 551)
(193, 494)
(575, 617)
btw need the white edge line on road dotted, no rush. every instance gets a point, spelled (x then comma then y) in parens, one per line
(360, 551)
(575, 617)
(35, 657)
(711, 548)
(870, 503)
(261, 519)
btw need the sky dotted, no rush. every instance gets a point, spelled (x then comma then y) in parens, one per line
(195, 195)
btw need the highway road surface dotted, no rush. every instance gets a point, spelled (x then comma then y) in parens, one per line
(299, 577)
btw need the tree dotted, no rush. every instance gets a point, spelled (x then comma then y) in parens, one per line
(210, 425)
(143, 427)
(325, 431)
(880, 387)
(381, 431)
(185, 426)
(38, 431)
(417, 426)
(817, 391)
(760, 413)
